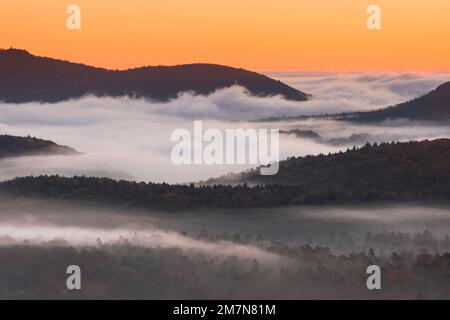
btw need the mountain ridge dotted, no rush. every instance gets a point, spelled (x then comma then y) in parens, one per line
(25, 77)
(369, 167)
(433, 106)
(14, 146)
(389, 172)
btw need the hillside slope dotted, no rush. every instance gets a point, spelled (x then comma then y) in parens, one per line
(384, 168)
(25, 77)
(414, 171)
(433, 106)
(11, 146)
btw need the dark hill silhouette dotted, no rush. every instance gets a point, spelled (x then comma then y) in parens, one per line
(413, 171)
(385, 168)
(11, 146)
(433, 106)
(25, 77)
(354, 139)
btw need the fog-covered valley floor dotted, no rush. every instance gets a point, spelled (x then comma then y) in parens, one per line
(278, 253)
(82, 223)
(269, 253)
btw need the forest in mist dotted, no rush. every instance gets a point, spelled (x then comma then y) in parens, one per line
(126, 138)
(348, 195)
(123, 271)
(283, 253)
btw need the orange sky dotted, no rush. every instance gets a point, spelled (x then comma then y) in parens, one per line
(263, 35)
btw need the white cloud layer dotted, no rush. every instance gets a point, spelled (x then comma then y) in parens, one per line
(130, 139)
(335, 92)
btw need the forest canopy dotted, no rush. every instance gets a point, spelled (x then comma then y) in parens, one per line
(412, 171)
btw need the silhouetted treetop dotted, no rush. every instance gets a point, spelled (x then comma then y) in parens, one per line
(25, 77)
(413, 171)
(12, 146)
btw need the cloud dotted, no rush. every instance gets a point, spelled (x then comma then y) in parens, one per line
(40, 222)
(361, 91)
(80, 224)
(126, 138)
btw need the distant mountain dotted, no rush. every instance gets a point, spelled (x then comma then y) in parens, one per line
(433, 106)
(413, 171)
(11, 146)
(388, 168)
(354, 139)
(305, 134)
(25, 77)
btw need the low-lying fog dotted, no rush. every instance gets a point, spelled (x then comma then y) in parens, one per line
(188, 255)
(243, 254)
(130, 138)
(78, 224)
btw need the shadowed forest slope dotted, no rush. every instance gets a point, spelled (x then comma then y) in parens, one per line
(25, 77)
(413, 171)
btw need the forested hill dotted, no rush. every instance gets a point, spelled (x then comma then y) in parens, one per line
(433, 106)
(383, 168)
(414, 171)
(11, 146)
(25, 77)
